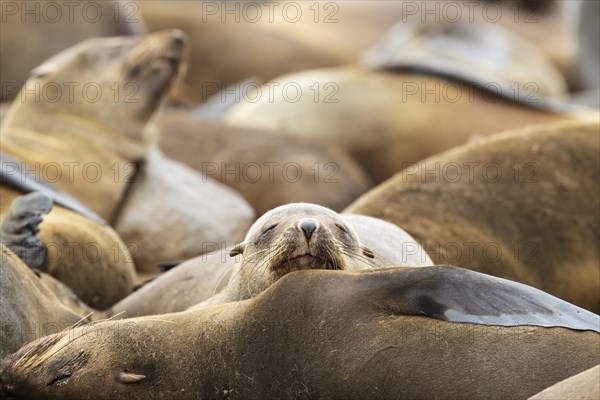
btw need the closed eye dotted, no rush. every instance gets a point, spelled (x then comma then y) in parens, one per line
(343, 229)
(59, 380)
(266, 232)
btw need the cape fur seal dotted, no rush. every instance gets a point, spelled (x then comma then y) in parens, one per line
(301, 236)
(29, 308)
(266, 168)
(327, 335)
(82, 116)
(96, 141)
(583, 386)
(86, 255)
(522, 205)
(385, 120)
(193, 284)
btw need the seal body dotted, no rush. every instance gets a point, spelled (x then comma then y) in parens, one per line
(199, 214)
(323, 334)
(87, 256)
(585, 386)
(521, 205)
(188, 284)
(29, 308)
(266, 168)
(87, 144)
(408, 116)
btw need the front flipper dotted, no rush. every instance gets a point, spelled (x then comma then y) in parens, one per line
(21, 225)
(14, 173)
(459, 295)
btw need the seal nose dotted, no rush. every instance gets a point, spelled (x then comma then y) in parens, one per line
(308, 226)
(179, 38)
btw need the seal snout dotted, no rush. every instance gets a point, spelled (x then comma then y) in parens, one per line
(179, 38)
(308, 226)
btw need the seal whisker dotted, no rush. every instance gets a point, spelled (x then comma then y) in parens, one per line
(221, 278)
(76, 324)
(85, 333)
(331, 257)
(107, 319)
(257, 252)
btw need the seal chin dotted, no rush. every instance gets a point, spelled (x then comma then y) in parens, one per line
(305, 261)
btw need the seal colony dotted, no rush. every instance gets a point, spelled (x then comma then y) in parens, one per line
(75, 130)
(311, 304)
(364, 334)
(100, 147)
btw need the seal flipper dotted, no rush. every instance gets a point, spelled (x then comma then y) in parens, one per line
(12, 174)
(459, 295)
(20, 228)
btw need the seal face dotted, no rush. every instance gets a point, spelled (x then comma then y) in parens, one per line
(294, 237)
(131, 76)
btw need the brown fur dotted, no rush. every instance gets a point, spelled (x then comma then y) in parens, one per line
(377, 121)
(91, 259)
(174, 213)
(103, 139)
(185, 285)
(29, 308)
(227, 53)
(537, 224)
(27, 41)
(322, 334)
(291, 170)
(194, 283)
(70, 299)
(583, 386)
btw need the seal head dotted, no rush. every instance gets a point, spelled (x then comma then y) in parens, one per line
(117, 82)
(294, 237)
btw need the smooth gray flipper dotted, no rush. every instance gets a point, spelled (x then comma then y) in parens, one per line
(445, 50)
(13, 173)
(459, 295)
(21, 225)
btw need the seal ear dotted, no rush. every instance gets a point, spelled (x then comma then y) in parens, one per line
(367, 252)
(237, 249)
